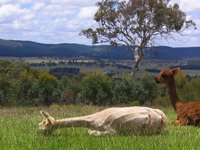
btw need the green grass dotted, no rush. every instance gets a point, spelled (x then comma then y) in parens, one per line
(18, 128)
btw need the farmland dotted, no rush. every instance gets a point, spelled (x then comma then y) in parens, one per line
(117, 67)
(19, 131)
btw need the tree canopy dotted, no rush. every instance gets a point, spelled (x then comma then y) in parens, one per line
(136, 24)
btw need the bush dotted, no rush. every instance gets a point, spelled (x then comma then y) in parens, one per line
(2, 99)
(150, 89)
(70, 87)
(122, 91)
(139, 94)
(21, 85)
(48, 88)
(190, 90)
(126, 91)
(96, 89)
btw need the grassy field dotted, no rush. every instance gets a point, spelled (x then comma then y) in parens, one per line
(18, 128)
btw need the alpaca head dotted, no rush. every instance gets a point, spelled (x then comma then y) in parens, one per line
(166, 76)
(47, 126)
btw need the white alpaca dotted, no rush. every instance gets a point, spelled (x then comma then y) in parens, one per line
(111, 121)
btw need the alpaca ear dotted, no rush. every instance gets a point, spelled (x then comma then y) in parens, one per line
(44, 114)
(51, 120)
(47, 116)
(176, 70)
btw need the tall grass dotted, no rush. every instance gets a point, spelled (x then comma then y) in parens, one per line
(18, 131)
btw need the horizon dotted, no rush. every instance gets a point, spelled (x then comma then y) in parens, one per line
(35, 21)
(92, 44)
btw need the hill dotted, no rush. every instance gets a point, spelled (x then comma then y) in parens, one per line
(14, 48)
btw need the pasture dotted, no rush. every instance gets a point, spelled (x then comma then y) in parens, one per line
(18, 131)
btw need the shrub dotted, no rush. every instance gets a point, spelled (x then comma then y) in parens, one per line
(96, 89)
(139, 94)
(48, 88)
(150, 88)
(70, 87)
(122, 91)
(190, 90)
(2, 99)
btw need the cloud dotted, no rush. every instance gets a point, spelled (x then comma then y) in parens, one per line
(60, 21)
(77, 3)
(188, 38)
(188, 5)
(87, 12)
(38, 6)
(8, 10)
(4, 1)
(46, 21)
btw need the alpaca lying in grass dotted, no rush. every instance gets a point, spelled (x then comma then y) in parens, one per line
(188, 113)
(117, 120)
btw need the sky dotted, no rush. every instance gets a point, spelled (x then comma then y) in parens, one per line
(60, 21)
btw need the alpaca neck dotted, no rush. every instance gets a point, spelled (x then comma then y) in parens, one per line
(172, 93)
(73, 122)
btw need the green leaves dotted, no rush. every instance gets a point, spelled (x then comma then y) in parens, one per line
(136, 23)
(96, 89)
(21, 85)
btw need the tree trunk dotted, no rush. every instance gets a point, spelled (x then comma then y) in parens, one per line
(47, 100)
(138, 58)
(139, 53)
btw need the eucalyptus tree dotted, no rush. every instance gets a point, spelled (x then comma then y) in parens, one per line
(136, 23)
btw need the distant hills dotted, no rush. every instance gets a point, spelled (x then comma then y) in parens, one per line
(14, 48)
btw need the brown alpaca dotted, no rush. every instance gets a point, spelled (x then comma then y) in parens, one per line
(188, 113)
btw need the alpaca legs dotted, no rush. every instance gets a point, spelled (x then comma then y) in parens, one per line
(100, 133)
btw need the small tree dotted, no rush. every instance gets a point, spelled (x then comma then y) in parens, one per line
(96, 89)
(48, 87)
(136, 23)
(70, 88)
(150, 87)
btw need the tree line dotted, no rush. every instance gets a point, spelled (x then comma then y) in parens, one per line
(21, 85)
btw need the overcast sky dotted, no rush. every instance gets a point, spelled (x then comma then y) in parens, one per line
(60, 21)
